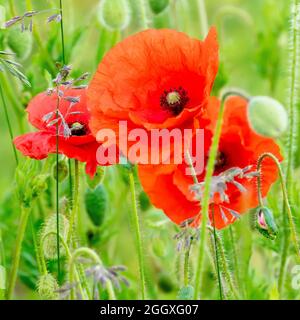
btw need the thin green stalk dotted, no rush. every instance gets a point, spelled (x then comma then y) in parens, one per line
(226, 270)
(207, 182)
(137, 238)
(74, 212)
(57, 185)
(285, 197)
(94, 256)
(187, 264)
(8, 124)
(62, 32)
(17, 252)
(217, 256)
(234, 255)
(35, 245)
(292, 109)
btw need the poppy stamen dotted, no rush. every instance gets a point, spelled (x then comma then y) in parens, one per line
(78, 129)
(174, 100)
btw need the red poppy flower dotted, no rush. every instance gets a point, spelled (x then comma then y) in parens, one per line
(153, 79)
(169, 188)
(75, 138)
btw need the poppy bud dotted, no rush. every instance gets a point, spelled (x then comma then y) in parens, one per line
(144, 201)
(47, 287)
(114, 14)
(265, 223)
(98, 178)
(20, 42)
(165, 282)
(62, 170)
(39, 185)
(186, 293)
(158, 6)
(48, 235)
(267, 117)
(96, 204)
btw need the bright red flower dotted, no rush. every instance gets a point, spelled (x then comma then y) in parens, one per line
(75, 138)
(153, 79)
(169, 188)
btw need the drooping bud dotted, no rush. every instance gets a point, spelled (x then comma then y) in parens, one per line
(98, 178)
(47, 287)
(96, 204)
(165, 282)
(20, 42)
(186, 293)
(265, 223)
(48, 236)
(267, 117)
(158, 6)
(62, 170)
(114, 14)
(144, 201)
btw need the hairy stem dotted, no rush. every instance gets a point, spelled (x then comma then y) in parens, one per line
(285, 197)
(207, 183)
(137, 238)
(17, 252)
(74, 213)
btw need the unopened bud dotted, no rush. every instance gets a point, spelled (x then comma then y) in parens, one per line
(96, 204)
(62, 170)
(265, 223)
(158, 6)
(267, 117)
(114, 14)
(47, 287)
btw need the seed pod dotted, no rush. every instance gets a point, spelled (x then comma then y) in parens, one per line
(48, 235)
(158, 6)
(144, 201)
(165, 282)
(186, 293)
(20, 42)
(96, 204)
(47, 287)
(267, 117)
(62, 170)
(98, 178)
(265, 223)
(114, 14)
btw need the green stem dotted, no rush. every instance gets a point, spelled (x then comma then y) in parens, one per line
(137, 238)
(285, 197)
(293, 93)
(8, 124)
(57, 185)
(62, 32)
(94, 256)
(74, 212)
(217, 256)
(35, 245)
(234, 255)
(17, 252)
(207, 182)
(225, 266)
(186, 264)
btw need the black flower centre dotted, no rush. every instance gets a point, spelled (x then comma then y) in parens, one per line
(174, 100)
(220, 160)
(78, 129)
